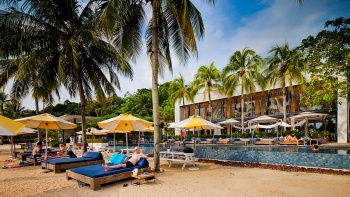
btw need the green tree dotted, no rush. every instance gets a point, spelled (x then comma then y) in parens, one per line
(174, 24)
(3, 101)
(64, 35)
(328, 54)
(207, 78)
(243, 69)
(180, 91)
(14, 109)
(285, 66)
(38, 80)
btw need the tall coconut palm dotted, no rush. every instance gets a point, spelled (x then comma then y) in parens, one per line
(207, 78)
(180, 91)
(176, 24)
(242, 70)
(63, 35)
(285, 66)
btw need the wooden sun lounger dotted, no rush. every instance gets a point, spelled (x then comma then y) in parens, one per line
(88, 158)
(95, 175)
(298, 142)
(265, 143)
(95, 183)
(61, 167)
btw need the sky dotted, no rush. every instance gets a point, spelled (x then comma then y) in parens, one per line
(230, 26)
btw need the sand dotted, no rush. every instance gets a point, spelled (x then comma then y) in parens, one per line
(209, 180)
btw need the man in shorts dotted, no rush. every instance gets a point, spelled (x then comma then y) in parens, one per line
(135, 157)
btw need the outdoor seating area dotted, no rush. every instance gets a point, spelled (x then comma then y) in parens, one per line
(95, 175)
(60, 164)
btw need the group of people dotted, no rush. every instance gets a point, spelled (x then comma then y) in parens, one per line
(37, 150)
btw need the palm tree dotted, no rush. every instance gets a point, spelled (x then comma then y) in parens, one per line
(242, 69)
(14, 109)
(64, 35)
(40, 81)
(175, 24)
(3, 101)
(209, 79)
(285, 66)
(180, 91)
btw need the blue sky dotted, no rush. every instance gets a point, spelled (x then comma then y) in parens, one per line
(232, 25)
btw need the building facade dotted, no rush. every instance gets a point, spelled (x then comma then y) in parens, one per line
(267, 103)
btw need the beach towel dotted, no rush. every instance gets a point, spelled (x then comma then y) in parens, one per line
(117, 158)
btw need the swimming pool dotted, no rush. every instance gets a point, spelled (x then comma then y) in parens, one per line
(326, 157)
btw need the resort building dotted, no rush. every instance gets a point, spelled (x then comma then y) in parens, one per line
(267, 103)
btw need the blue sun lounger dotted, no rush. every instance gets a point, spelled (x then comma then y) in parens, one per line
(95, 175)
(88, 158)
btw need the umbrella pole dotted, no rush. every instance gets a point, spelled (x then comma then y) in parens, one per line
(114, 142)
(46, 170)
(194, 136)
(126, 136)
(231, 132)
(139, 138)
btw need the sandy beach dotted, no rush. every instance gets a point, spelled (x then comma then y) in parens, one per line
(209, 180)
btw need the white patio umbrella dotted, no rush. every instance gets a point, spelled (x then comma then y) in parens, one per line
(46, 121)
(196, 122)
(124, 122)
(264, 119)
(230, 122)
(307, 116)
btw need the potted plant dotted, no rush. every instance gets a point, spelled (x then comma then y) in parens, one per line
(325, 135)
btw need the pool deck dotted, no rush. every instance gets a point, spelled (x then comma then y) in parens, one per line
(333, 144)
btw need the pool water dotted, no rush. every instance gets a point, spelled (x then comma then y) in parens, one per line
(325, 157)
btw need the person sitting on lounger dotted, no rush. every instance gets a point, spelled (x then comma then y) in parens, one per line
(288, 138)
(36, 150)
(63, 150)
(135, 157)
(294, 138)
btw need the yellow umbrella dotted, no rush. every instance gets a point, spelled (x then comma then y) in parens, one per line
(9, 127)
(196, 122)
(125, 122)
(46, 121)
(149, 129)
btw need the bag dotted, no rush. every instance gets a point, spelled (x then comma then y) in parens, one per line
(188, 150)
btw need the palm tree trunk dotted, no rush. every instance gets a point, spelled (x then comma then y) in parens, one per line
(82, 105)
(211, 114)
(284, 105)
(242, 108)
(155, 99)
(183, 103)
(37, 111)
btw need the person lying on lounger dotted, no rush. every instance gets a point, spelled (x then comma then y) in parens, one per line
(135, 157)
(63, 150)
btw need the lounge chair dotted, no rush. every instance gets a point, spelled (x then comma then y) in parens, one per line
(95, 175)
(295, 142)
(265, 142)
(88, 158)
